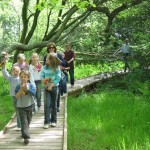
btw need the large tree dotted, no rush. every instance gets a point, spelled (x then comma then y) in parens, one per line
(63, 17)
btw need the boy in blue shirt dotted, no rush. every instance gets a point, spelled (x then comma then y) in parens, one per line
(24, 95)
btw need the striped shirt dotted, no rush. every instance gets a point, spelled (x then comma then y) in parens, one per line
(49, 73)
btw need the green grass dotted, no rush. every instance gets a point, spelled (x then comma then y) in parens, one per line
(6, 110)
(115, 120)
(91, 69)
(6, 107)
(6, 103)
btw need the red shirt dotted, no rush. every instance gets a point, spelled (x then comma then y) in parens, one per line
(69, 54)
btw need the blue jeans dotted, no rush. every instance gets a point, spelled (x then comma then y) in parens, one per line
(38, 92)
(25, 115)
(17, 113)
(63, 84)
(50, 105)
(58, 95)
(71, 73)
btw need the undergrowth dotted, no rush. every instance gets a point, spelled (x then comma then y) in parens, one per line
(114, 116)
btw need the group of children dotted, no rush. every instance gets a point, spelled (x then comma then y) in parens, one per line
(25, 85)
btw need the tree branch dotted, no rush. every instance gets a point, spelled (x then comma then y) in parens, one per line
(24, 20)
(34, 25)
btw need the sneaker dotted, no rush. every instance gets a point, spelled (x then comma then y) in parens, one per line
(46, 126)
(72, 86)
(65, 94)
(18, 129)
(53, 124)
(26, 141)
(32, 112)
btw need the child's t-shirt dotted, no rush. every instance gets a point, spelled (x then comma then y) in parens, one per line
(27, 99)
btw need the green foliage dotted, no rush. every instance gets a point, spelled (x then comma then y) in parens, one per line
(143, 88)
(133, 22)
(50, 4)
(138, 81)
(112, 117)
(142, 55)
(84, 70)
(6, 104)
(8, 21)
(6, 109)
(83, 4)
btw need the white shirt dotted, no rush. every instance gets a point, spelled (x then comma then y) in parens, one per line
(125, 48)
(35, 72)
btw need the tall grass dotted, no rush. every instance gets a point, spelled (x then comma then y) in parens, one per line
(6, 104)
(91, 69)
(115, 120)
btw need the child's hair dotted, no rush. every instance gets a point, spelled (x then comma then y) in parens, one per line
(25, 72)
(34, 54)
(49, 45)
(54, 61)
(21, 56)
(15, 68)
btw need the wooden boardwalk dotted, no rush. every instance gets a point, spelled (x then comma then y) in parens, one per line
(53, 138)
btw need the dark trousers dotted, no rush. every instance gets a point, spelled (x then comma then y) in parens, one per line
(71, 74)
(58, 96)
(63, 84)
(126, 61)
(25, 115)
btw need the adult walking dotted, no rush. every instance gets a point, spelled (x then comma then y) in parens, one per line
(69, 57)
(126, 51)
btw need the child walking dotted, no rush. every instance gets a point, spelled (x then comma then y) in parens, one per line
(14, 81)
(35, 69)
(21, 62)
(24, 92)
(24, 65)
(50, 77)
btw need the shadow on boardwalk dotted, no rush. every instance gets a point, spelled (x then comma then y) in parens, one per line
(53, 138)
